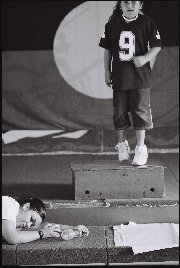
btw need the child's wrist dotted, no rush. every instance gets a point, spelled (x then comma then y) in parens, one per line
(147, 58)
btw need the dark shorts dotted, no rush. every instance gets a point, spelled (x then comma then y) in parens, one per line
(135, 101)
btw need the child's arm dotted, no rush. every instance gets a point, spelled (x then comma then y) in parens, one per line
(107, 67)
(15, 236)
(139, 61)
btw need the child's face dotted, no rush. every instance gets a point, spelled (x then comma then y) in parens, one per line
(27, 218)
(130, 9)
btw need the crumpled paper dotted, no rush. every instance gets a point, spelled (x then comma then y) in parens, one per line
(146, 237)
(83, 230)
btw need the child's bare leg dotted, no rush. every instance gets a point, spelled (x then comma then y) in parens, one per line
(121, 135)
(140, 137)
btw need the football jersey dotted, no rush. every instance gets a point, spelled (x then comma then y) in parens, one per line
(126, 40)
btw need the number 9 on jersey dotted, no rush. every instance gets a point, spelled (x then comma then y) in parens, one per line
(127, 46)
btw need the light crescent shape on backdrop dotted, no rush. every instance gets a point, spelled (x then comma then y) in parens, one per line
(77, 55)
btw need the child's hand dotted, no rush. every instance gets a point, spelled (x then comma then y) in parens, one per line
(139, 61)
(84, 231)
(51, 231)
(108, 78)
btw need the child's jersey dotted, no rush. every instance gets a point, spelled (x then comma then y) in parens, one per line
(126, 40)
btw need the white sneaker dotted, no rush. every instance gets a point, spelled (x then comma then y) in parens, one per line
(141, 155)
(123, 150)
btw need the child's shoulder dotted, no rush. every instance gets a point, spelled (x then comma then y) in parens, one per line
(114, 20)
(146, 19)
(118, 19)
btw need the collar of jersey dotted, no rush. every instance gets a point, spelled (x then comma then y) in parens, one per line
(129, 19)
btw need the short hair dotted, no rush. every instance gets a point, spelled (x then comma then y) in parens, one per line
(36, 204)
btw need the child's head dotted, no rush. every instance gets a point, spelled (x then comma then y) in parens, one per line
(32, 211)
(123, 7)
(130, 9)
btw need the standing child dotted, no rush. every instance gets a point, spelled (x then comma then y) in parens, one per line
(132, 40)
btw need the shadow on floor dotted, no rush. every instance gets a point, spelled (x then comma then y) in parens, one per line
(43, 191)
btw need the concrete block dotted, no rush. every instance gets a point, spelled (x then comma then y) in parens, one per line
(126, 255)
(104, 214)
(8, 254)
(117, 254)
(163, 255)
(111, 180)
(84, 250)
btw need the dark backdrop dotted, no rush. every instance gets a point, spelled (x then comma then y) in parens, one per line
(30, 25)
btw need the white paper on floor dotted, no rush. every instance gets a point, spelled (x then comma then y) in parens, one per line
(146, 237)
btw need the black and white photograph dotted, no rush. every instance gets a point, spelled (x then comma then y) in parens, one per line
(90, 133)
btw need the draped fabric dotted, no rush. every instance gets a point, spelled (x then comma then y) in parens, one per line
(59, 83)
(35, 95)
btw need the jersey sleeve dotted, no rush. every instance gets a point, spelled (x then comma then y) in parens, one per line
(105, 41)
(154, 36)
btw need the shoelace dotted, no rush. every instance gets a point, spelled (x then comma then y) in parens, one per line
(121, 147)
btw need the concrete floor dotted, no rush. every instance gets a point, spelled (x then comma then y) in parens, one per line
(96, 248)
(50, 176)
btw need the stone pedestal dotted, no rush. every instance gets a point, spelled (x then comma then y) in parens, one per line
(109, 180)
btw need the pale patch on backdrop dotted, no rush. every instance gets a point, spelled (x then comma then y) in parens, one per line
(15, 135)
(72, 135)
(77, 55)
